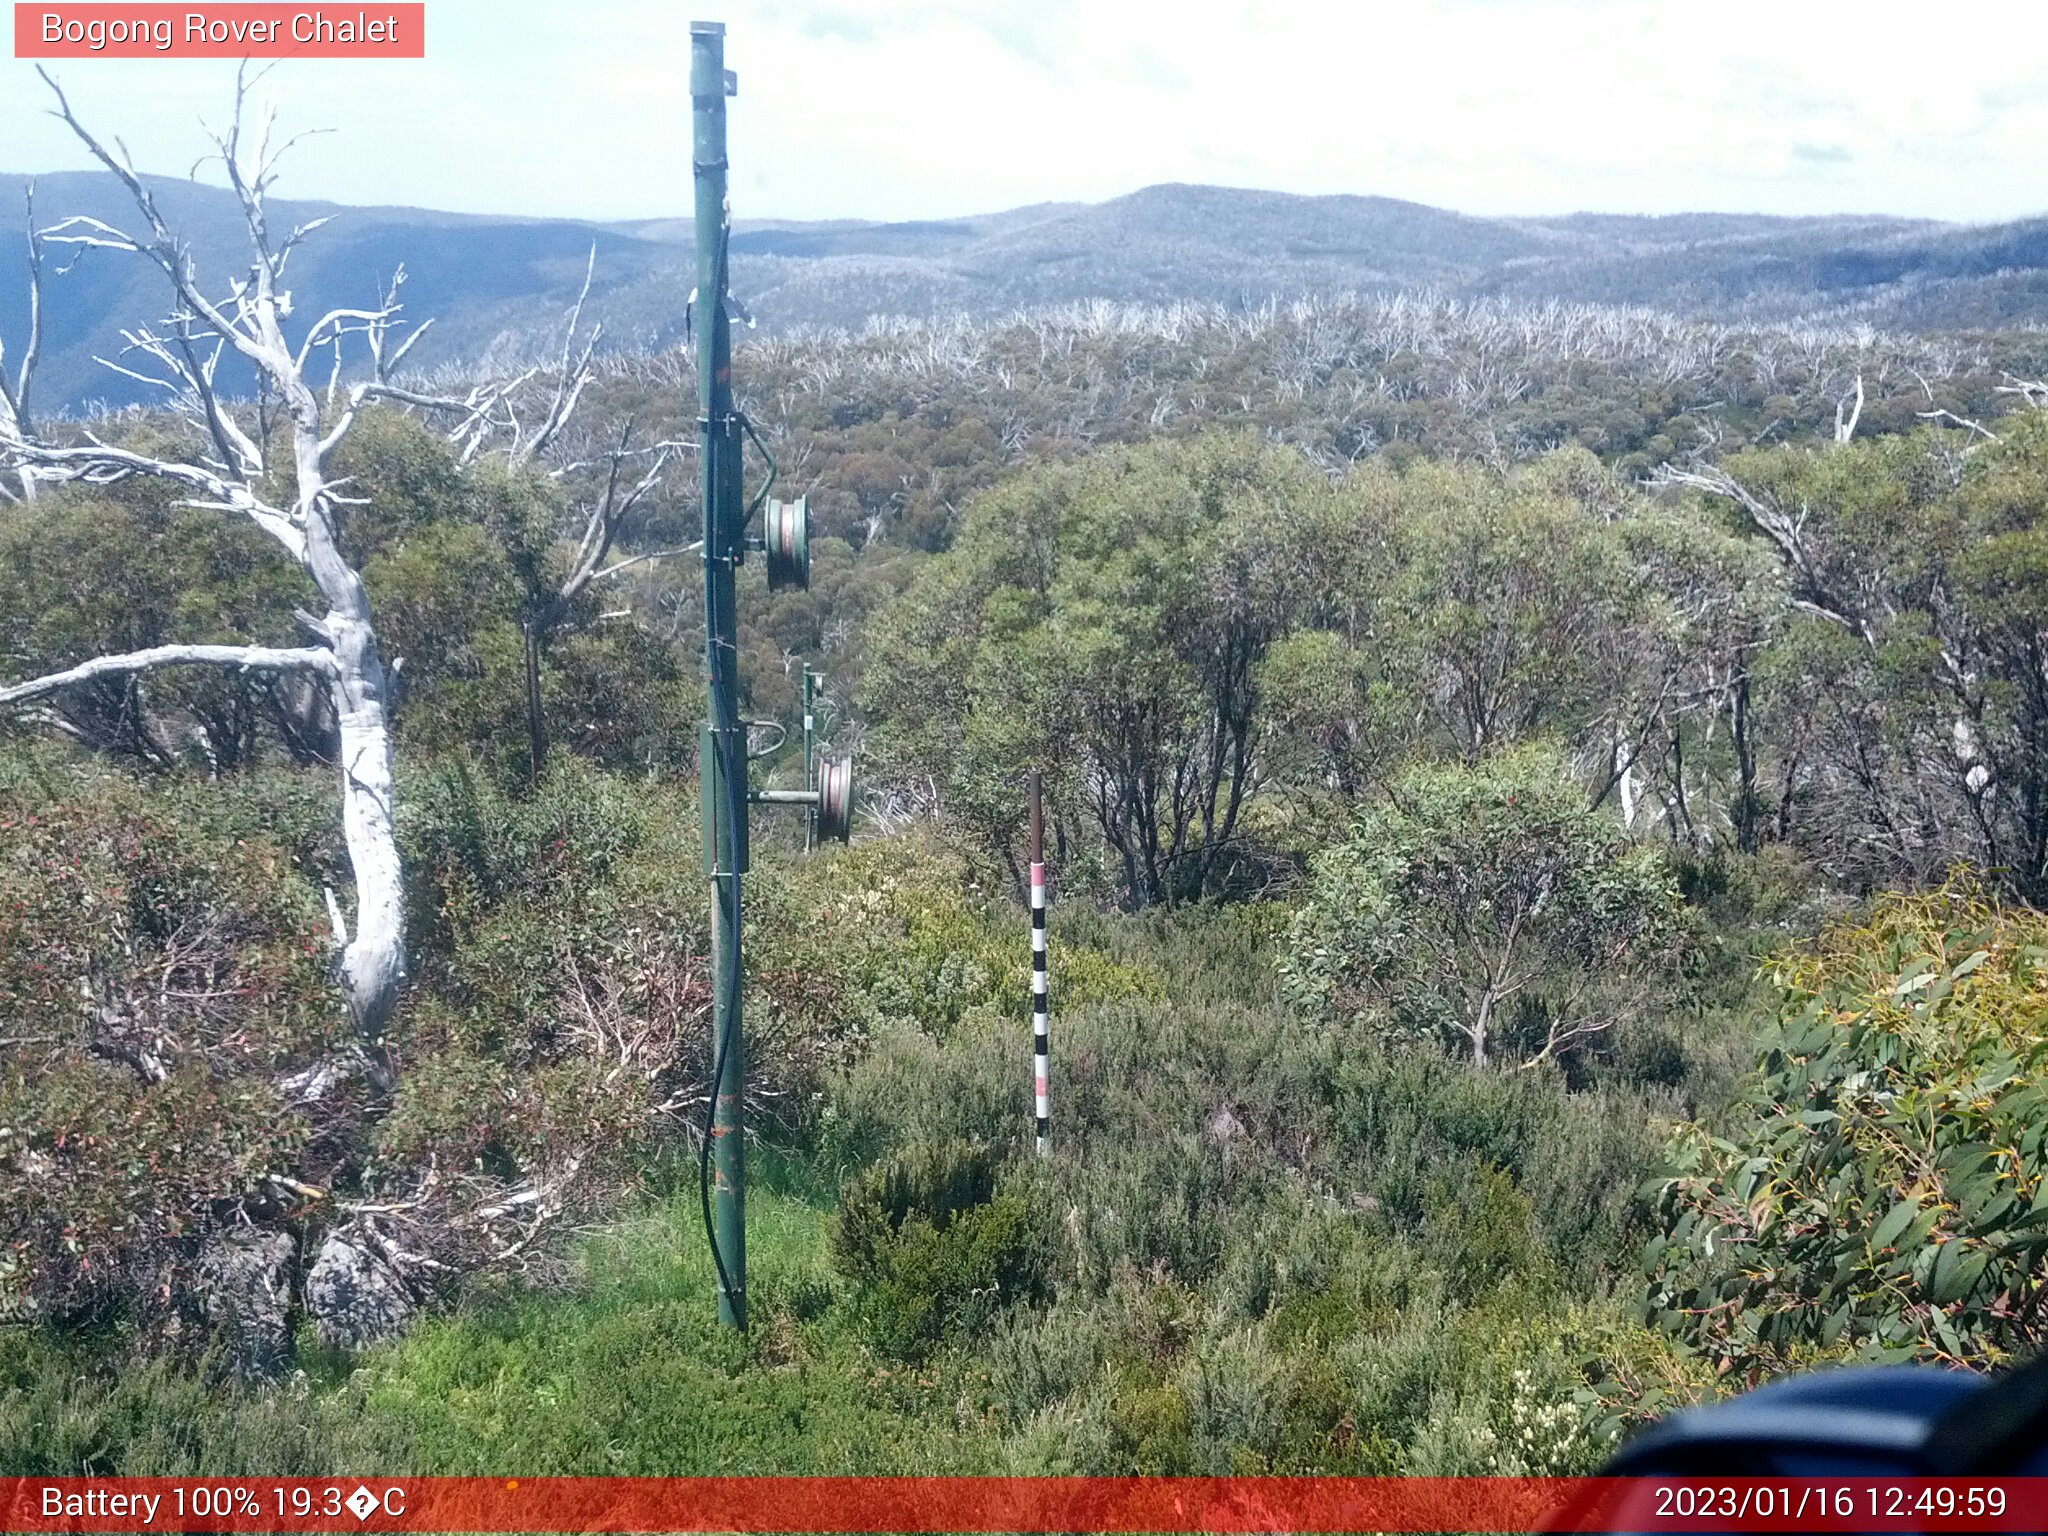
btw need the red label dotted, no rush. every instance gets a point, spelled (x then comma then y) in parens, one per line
(236, 31)
(1243, 1506)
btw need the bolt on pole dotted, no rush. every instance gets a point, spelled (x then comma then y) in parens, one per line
(723, 750)
(1041, 1002)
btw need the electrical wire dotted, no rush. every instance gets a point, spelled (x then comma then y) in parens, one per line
(726, 851)
(781, 739)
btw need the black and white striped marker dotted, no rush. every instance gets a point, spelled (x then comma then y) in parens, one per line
(1041, 1013)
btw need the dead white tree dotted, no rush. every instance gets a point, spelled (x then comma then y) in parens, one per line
(301, 507)
(1848, 414)
(1817, 589)
(1828, 582)
(604, 517)
(598, 521)
(14, 393)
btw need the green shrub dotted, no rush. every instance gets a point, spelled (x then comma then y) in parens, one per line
(1152, 1431)
(558, 1027)
(625, 1371)
(116, 1404)
(899, 930)
(1488, 909)
(1483, 1233)
(1881, 1190)
(455, 559)
(905, 1087)
(157, 981)
(936, 1245)
(1401, 1117)
(472, 844)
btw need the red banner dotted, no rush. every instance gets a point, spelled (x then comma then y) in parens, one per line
(234, 31)
(1021, 1504)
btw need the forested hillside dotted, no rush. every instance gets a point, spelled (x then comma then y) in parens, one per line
(1547, 810)
(489, 283)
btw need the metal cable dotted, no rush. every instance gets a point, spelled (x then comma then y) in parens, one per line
(726, 853)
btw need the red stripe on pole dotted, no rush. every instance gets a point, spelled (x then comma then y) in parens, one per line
(385, 29)
(976, 1504)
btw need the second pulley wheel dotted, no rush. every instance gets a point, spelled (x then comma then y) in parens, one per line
(835, 798)
(786, 531)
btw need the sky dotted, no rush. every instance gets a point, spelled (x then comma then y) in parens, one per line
(903, 109)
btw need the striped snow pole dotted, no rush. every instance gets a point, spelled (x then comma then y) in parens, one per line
(1041, 1005)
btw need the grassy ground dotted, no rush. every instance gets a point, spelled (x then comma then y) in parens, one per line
(633, 1374)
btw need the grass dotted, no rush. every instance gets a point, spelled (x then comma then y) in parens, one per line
(634, 1375)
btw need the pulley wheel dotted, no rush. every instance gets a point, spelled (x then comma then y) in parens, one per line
(835, 798)
(786, 530)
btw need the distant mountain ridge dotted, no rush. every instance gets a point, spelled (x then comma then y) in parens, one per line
(497, 286)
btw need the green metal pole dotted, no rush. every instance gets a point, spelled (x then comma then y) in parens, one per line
(722, 773)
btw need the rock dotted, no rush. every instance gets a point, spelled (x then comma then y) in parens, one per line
(354, 1297)
(314, 1084)
(245, 1290)
(327, 1078)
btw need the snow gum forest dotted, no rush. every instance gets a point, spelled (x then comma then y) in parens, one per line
(1546, 806)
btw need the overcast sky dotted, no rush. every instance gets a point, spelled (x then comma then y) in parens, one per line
(920, 108)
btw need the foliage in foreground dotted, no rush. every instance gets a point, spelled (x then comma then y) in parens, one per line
(1882, 1188)
(159, 983)
(631, 1373)
(167, 1017)
(1268, 1248)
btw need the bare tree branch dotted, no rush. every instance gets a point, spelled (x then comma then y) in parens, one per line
(98, 463)
(1961, 421)
(246, 658)
(570, 378)
(2033, 391)
(1782, 527)
(653, 554)
(605, 521)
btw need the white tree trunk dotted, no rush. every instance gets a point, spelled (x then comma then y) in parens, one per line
(235, 477)
(1625, 781)
(373, 960)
